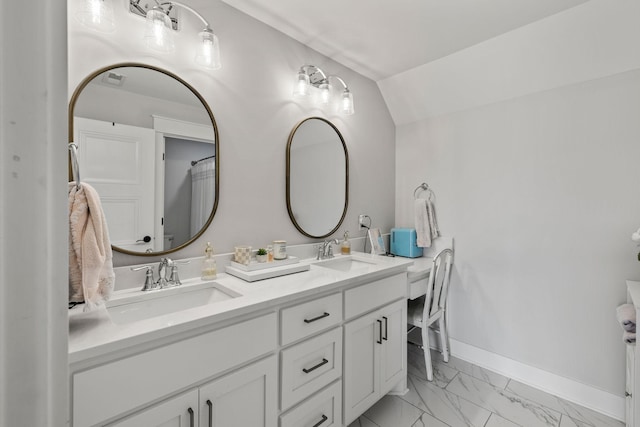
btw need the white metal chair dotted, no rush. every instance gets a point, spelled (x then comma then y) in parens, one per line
(431, 308)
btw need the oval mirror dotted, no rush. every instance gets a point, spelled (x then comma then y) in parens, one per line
(148, 143)
(317, 177)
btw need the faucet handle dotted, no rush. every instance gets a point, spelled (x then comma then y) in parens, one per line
(149, 282)
(174, 280)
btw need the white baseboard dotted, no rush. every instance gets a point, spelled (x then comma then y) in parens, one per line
(568, 389)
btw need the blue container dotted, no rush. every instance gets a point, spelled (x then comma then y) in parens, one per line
(403, 243)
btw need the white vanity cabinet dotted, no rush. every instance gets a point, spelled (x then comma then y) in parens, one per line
(375, 348)
(138, 382)
(245, 397)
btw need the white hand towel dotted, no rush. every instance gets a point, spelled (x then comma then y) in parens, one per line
(91, 275)
(626, 315)
(422, 223)
(433, 224)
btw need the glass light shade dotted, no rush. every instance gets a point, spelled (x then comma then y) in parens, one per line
(208, 54)
(158, 35)
(346, 104)
(301, 88)
(325, 94)
(97, 15)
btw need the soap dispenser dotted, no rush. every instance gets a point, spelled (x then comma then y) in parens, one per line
(209, 268)
(345, 249)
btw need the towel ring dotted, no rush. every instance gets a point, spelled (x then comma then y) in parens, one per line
(75, 168)
(422, 187)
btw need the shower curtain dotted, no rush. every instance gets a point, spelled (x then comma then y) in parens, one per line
(203, 187)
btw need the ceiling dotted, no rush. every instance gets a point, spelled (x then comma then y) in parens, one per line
(382, 38)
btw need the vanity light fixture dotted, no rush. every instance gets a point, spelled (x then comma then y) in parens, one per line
(162, 22)
(96, 14)
(312, 76)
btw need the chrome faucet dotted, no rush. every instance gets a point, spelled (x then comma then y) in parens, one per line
(164, 264)
(166, 267)
(326, 249)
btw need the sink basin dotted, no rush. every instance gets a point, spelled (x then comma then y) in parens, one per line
(346, 264)
(146, 305)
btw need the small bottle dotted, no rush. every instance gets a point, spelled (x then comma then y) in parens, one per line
(345, 249)
(269, 253)
(209, 267)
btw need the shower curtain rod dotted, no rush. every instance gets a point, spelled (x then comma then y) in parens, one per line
(195, 162)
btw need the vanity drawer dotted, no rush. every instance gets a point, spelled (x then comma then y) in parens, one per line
(309, 366)
(310, 317)
(121, 386)
(323, 410)
(367, 297)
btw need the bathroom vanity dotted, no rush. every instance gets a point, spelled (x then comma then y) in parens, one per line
(316, 348)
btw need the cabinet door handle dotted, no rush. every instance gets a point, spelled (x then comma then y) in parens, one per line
(313, 368)
(322, 316)
(386, 330)
(192, 418)
(379, 340)
(627, 394)
(210, 405)
(324, 418)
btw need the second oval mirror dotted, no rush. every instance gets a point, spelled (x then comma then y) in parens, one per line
(317, 177)
(148, 143)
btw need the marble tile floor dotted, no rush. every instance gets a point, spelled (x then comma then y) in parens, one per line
(465, 395)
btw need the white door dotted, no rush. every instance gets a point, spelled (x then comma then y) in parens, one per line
(362, 337)
(180, 411)
(119, 162)
(246, 397)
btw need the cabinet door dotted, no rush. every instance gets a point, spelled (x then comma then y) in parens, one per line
(361, 379)
(180, 411)
(246, 397)
(393, 357)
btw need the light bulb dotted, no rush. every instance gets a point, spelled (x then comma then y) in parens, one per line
(346, 104)
(158, 35)
(301, 88)
(97, 15)
(325, 94)
(208, 54)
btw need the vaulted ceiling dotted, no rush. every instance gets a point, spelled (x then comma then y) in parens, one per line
(381, 38)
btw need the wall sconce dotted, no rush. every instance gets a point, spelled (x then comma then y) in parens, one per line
(161, 21)
(312, 76)
(160, 27)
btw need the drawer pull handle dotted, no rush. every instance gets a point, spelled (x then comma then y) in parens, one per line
(386, 330)
(324, 418)
(379, 340)
(192, 420)
(627, 394)
(210, 405)
(324, 362)
(322, 316)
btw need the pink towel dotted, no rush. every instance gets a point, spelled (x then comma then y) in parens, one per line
(626, 315)
(91, 275)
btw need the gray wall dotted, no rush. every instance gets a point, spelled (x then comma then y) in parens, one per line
(537, 181)
(251, 100)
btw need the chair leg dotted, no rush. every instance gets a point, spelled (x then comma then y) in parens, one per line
(444, 338)
(426, 348)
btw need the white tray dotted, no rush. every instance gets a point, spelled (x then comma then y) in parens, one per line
(267, 273)
(255, 265)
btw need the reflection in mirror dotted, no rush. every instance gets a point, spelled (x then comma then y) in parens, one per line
(148, 143)
(317, 177)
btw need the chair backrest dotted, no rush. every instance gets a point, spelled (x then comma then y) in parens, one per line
(438, 285)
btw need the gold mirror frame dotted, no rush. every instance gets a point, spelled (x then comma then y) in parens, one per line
(288, 178)
(72, 104)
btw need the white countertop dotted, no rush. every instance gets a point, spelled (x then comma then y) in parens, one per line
(93, 334)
